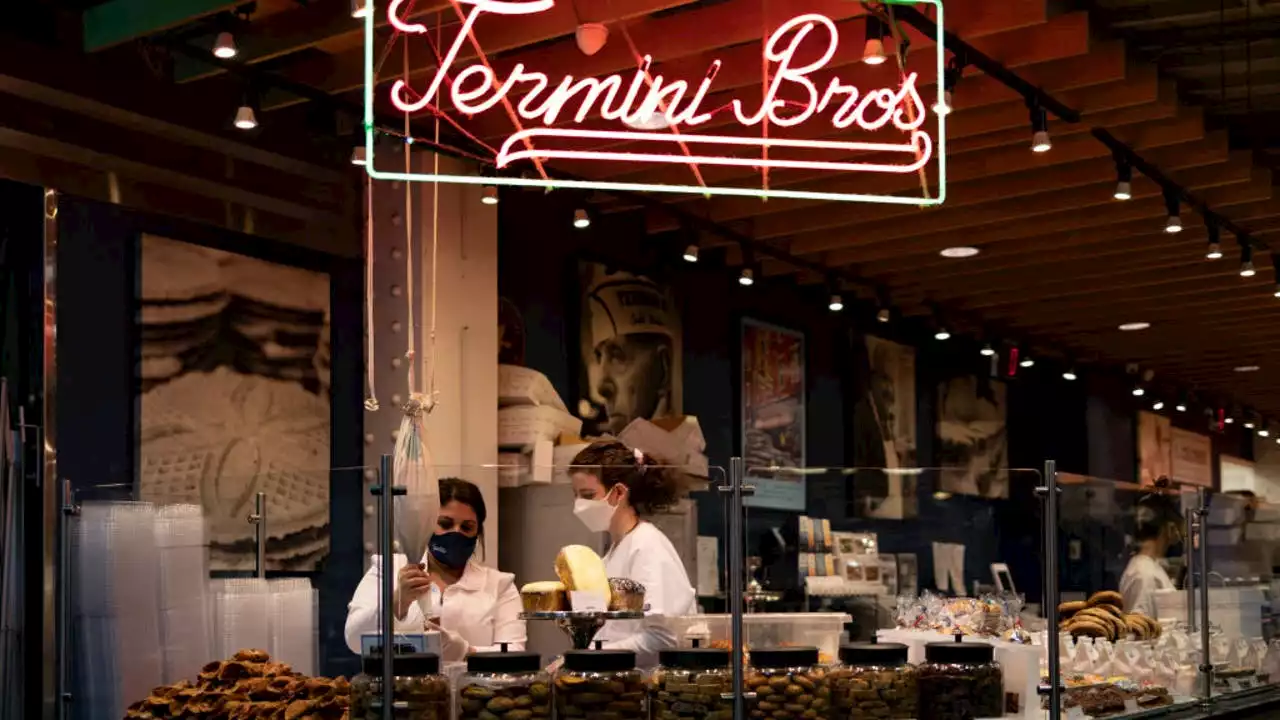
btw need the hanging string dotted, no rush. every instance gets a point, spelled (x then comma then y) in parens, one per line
(411, 353)
(900, 45)
(370, 402)
(435, 241)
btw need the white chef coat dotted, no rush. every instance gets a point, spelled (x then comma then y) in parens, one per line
(648, 557)
(483, 607)
(1142, 577)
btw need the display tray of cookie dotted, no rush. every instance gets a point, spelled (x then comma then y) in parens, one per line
(1103, 616)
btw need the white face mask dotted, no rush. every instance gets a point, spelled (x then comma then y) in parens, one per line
(595, 514)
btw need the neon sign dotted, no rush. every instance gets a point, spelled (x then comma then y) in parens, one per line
(846, 129)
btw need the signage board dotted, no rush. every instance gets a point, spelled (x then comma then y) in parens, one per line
(816, 109)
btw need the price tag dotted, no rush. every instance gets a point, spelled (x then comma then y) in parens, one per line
(587, 601)
(1131, 705)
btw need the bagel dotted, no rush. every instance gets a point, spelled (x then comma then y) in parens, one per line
(1067, 609)
(1108, 607)
(1107, 597)
(1137, 627)
(1102, 617)
(1089, 629)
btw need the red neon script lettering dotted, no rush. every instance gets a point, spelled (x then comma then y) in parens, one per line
(627, 100)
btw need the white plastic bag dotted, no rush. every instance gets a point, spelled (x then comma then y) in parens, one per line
(415, 511)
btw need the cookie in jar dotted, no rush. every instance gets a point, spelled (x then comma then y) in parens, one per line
(960, 681)
(504, 686)
(873, 680)
(692, 684)
(600, 685)
(788, 683)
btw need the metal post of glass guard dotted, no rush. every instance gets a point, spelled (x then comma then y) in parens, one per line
(47, 466)
(736, 565)
(386, 545)
(69, 510)
(1051, 597)
(1188, 559)
(259, 521)
(1206, 660)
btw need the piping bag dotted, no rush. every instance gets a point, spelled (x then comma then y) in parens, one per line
(416, 511)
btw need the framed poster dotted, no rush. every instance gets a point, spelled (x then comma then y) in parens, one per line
(629, 350)
(1192, 458)
(773, 407)
(1155, 448)
(235, 398)
(973, 451)
(884, 431)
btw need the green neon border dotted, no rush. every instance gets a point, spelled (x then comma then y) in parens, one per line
(941, 149)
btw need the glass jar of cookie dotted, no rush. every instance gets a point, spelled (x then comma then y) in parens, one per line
(873, 680)
(960, 681)
(788, 683)
(692, 684)
(504, 686)
(601, 684)
(418, 691)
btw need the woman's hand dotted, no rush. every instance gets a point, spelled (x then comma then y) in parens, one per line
(412, 582)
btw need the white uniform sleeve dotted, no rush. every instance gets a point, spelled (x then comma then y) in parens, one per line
(668, 594)
(1138, 588)
(362, 611)
(507, 626)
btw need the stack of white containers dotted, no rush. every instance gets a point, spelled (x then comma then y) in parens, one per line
(278, 616)
(185, 628)
(241, 616)
(293, 624)
(116, 601)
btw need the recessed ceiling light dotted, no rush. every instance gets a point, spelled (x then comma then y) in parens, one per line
(1132, 326)
(1247, 368)
(962, 251)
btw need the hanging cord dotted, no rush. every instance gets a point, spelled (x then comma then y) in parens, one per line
(411, 353)
(435, 243)
(370, 402)
(901, 47)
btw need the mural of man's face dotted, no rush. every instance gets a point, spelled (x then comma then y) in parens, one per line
(633, 377)
(882, 395)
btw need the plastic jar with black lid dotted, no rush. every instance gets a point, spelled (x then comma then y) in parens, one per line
(504, 685)
(692, 684)
(593, 682)
(873, 680)
(960, 681)
(419, 691)
(789, 684)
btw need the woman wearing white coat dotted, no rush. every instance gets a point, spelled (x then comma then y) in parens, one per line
(479, 606)
(614, 488)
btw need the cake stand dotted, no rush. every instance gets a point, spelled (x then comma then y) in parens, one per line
(581, 626)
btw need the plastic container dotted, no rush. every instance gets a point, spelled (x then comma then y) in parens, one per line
(960, 681)
(419, 691)
(789, 683)
(820, 630)
(1236, 610)
(691, 684)
(600, 684)
(504, 685)
(873, 680)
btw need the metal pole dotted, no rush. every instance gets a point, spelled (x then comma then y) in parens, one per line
(1051, 596)
(737, 476)
(1206, 662)
(386, 547)
(259, 519)
(1188, 558)
(69, 510)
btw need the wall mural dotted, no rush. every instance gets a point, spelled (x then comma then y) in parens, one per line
(630, 350)
(1155, 448)
(235, 398)
(773, 414)
(973, 439)
(884, 432)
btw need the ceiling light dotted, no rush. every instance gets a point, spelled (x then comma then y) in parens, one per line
(943, 105)
(836, 304)
(1246, 261)
(1246, 368)
(1180, 407)
(1277, 292)
(359, 8)
(950, 78)
(747, 278)
(987, 350)
(1173, 223)
(359, 155)
(1229, 420)
(1138, 391)
(942, 334)
(224, 46)
(489, 195)
(1039, 129)
(651, 121)
(1027, 362)
(1157, 405)
(1069, 375)
(883, 315)
(1214, 252)
(245, 118)
(960, 251)
(581, 219)
(1264, 432)
(591, 37)
(691, 253)
(873, 49)
(1132, 326)
(1124, 179)
(1215, 239)
(1248, 424)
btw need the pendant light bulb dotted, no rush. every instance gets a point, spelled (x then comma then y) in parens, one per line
(1173, 223)
(245, 118)
(1214, 252)
(691, 253)
(747, 278)
(1124, 179)
(359, 8)
(942, 334)
(873, 49)
(943, 106)
(224, 46)
(1069, 375)
(1138, 391)
(1246, 261)
(489, 195)
(836, 304)
(359, 155)
(987, 350)
(1027, 362)
(1039, 130)
(1180, 407)
(883, 315)
(581, 219)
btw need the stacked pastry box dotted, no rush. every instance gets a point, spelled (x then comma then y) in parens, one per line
(536, 432)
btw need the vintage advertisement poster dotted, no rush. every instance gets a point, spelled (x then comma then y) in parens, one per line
(973, 435)
(773, 404)
(884, 431)
(1191, 458)
(1155, 448)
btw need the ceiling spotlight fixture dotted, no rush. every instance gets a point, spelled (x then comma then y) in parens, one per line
(873, 49)
(950, 78)
(359, 155)
(489, 195)
(1069, 374)
(1249, 424)
(1229, 420)
(1246, 368)
(1215, 239)
(942, 334)
(581, 219)
(1157, 405)
(1263, 431)
(1133, 326)
(747, 278)
(1138, 391)
(1277, 292)
(224, 46)
(1124, 179)
(987, 350)
(1039, 128)
(836, 304)
(960, 251)
(1027, 362)
(883, 315)
(691, 253)
(359, 8)
(591, 37)
(1173, 223)
(246, 119)
(1180, 407)
(1246, 261)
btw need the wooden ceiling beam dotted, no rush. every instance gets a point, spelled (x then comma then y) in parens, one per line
(115, 22)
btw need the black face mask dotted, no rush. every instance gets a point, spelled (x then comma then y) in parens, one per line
(452, 549)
